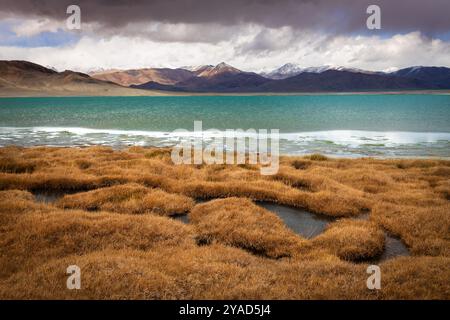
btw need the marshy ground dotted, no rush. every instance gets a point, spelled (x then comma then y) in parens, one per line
(120, 216)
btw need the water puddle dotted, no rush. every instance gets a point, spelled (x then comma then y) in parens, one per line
(363, 216)
(48, 197)
(393, 247)
(181, 217)
(309, 225)
(302, 222)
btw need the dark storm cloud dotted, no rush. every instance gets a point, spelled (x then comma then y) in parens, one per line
(332, 16)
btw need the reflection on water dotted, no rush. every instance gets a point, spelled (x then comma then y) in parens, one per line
(305, 223)
(393, 247)
(181, 217)
(48, 197)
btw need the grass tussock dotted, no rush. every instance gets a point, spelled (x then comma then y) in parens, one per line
(317, 157)
(23, 200)
(128, 198)
(239, 222)
(208, 272)
(428, 272)
(301, 164)
(38, 237)
(353, 240)
(425, 230)
(10, 165)
(14, 204)
(153, 256)
(220, 272)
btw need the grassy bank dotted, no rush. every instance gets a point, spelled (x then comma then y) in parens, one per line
(113, 220)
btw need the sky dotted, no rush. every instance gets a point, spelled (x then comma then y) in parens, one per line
(249, 34)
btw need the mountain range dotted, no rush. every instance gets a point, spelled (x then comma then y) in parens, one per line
(26, 78)
(290, 70)
(288, 78)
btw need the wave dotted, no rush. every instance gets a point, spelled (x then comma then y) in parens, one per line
(356, 137)
(336, 136)
(333, 142)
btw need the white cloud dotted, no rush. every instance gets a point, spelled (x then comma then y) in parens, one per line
(31, 27)
(249, 47)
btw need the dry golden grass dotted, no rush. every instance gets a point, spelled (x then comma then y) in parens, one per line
(14, 203)
(132, 255)
(220, 272)
(23, 201)
(206, 272)
(428, 272)
(39, 237)
(128, 198)
(353, 240)
(426, 230)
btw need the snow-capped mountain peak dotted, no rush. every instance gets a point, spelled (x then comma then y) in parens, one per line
(290, 70)
(196, 68)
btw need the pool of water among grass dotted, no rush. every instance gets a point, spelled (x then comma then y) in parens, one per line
(304, 223)
(310, 225)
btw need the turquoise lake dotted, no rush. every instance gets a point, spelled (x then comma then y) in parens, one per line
(340, 125)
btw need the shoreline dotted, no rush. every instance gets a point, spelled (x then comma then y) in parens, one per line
(283, 155)
(159, 93)
(352, 144)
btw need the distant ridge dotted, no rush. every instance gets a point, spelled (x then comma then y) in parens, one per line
(163, 76)
(291, 78)
(291, 70)
(23, 76)
(438, 77)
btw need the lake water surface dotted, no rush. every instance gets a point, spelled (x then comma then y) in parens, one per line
(338, 125)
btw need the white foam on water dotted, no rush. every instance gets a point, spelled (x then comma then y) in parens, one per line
(360, 137)
(352, 137)
(337, 142)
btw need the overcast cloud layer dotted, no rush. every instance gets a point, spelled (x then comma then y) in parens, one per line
(252, 35)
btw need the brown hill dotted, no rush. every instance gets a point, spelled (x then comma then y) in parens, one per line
(219, 78)
(164, 76)
(127, 78)
(23, 78)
